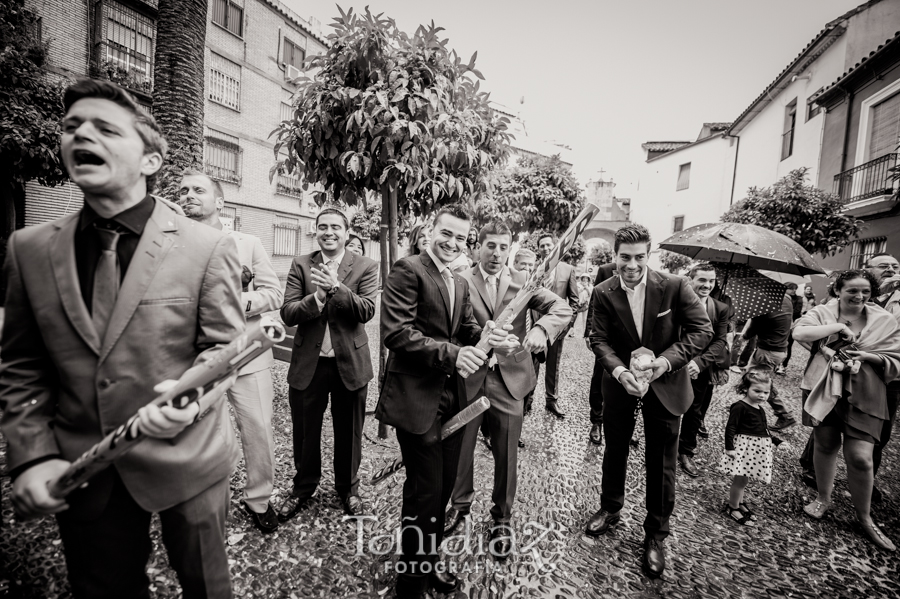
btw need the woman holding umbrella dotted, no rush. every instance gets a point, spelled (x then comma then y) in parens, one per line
(855, 350)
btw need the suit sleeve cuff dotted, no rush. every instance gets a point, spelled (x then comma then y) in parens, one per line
(617, 371)
(15, 472)
(668, 364)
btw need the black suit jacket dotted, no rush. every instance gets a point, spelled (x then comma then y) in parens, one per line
(604, 272)
(675, 327)
(346, 313)
(424, 341)
(716, 353)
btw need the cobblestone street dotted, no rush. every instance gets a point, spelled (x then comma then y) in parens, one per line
(315, 555)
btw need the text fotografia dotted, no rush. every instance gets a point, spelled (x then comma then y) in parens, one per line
(539, 544)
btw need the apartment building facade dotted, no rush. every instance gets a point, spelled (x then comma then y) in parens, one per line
(253, 49)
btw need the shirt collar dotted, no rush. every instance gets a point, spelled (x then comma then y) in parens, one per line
(134, 219)
(636, 287)
(485, 274)
(437, 261)
(337, 259)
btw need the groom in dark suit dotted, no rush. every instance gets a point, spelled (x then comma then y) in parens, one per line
(641, 308)
(430, 330)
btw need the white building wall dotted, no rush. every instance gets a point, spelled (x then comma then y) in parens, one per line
(657, 202)
(759, 159)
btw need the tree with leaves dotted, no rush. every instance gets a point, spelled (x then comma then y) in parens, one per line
(601, 254)
(537, 193)
(30, 119)
(573, 256)
(813, 218)
(673, 262)
(398, 114)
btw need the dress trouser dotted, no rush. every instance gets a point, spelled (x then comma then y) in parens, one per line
(536, 360)
(660, 458)
(348, 409)
(107, 557)
(551, 375)
(595, 395)
(504, 421)
(431, 464)
(893, 397)
(251, 397)
(693, 418)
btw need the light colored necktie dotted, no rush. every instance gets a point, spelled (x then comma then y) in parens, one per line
(492, 290)
(528, 322)
(106, 280)
(448, 280)
(326, 340)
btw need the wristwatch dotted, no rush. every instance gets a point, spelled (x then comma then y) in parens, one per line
(333, 290)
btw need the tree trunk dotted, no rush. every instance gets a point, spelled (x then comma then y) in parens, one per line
(392, 224)
(178, 77)
(386, 264)
(12, 217)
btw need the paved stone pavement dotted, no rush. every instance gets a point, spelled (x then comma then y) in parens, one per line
(315, 555)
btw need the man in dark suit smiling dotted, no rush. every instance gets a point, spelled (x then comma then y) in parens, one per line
(644, 309)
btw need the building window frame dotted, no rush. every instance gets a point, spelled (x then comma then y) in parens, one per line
(224, 82)
(865, 120)
(125, 39)
(813, 109)
(790, 128)
(863, 249)
(222, 155)
(229, 15)
(684, 177)
(291, 47)
(287, 233)
(677, 223)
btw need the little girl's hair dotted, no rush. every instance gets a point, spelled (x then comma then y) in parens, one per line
(752, 376)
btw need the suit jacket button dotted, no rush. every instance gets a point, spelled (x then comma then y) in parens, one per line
(318, 345)
(105, 383)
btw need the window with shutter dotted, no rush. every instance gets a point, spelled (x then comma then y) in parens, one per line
(224, 81)
(230, 15)
(790, 122)
(678, 224)
(684, 177)
(294, 53)
(885, 127)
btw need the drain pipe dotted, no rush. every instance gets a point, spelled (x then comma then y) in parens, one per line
(737, 151)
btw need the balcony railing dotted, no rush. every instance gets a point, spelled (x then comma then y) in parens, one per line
(868, 180)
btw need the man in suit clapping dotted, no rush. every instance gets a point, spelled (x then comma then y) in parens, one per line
(430, 330)
(641, 309)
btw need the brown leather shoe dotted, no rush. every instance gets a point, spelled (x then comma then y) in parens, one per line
(600, 523)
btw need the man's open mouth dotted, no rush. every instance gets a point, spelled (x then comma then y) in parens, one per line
(83, 157)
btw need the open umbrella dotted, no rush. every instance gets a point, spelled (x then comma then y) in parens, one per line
(751, 293)
(749, 245)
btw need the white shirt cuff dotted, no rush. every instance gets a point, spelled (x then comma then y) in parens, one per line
(668, 364)
(617, 371)
(318, 303)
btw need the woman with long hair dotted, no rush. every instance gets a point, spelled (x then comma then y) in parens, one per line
(419, 238)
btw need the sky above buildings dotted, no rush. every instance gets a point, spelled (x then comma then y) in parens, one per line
(605, 76)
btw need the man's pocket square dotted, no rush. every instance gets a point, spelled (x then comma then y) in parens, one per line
(664, 313)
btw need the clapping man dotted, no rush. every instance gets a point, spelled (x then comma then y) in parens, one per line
(329, 297)
(641, 309)
(505, 380)
(715, 355)
(562, 282)
(430, 330)
(102, 305)
(252, 394)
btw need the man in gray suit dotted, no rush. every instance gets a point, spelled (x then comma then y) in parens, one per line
(562, 282)
(252, 394)
(102, 305)
(506, 379)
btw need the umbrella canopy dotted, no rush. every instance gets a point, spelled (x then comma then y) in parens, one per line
(749, 245)
(751, 293)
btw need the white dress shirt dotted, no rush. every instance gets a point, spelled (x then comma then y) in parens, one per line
(637, 298)
(337, 262)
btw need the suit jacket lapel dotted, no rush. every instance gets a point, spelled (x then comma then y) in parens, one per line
(458, 288)
(432, 270)
(652, 303)
(149, 254)
(620, 302)
(345, 266)
(501, 290)
(481, 285)
(62, 259)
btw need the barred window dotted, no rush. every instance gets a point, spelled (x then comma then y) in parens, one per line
(863, 249)
(230, 15)
(222, 156)
(129, 43)
(286, 231)
(289, 185)
(229, 218)
(224, 81)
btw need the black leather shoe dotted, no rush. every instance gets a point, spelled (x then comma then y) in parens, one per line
(654, 561)
(600, 523)
(291, 506)
(554, 409)
(596, 434)
(443, 582)
(688, 465)
(353, 505)
(266, 522)
(452, 519)
(702, 432)
(500, 544)
(521, 444)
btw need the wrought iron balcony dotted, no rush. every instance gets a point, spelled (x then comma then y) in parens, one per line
(870, 180)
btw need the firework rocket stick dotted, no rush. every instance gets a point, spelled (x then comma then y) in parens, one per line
(451, 426)
(543, 270)
(204, 384)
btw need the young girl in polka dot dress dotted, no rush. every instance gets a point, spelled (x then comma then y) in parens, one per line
(748, 444)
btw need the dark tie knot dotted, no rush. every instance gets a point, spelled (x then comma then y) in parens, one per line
(108, 233)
